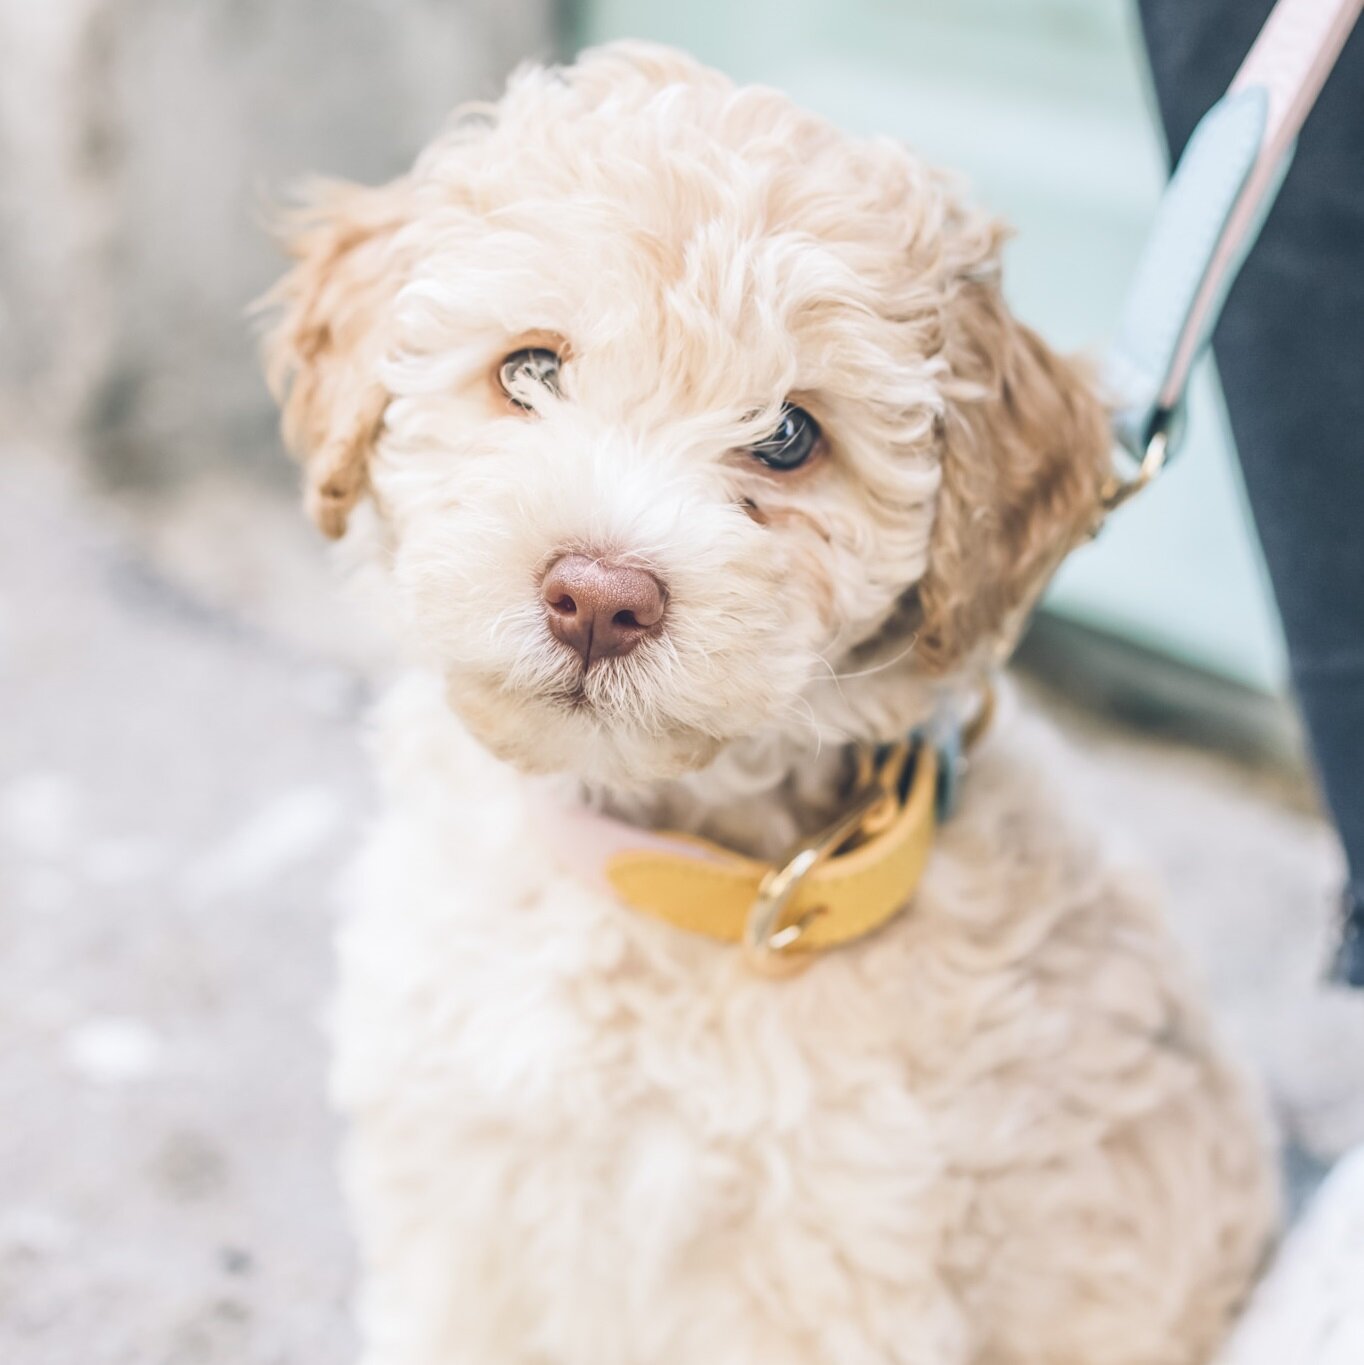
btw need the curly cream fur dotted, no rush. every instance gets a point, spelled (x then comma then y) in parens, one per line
(997, 1133)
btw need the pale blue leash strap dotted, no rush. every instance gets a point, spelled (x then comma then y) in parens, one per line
(1208, 220)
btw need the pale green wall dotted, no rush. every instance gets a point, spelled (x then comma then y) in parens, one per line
(1042, 105)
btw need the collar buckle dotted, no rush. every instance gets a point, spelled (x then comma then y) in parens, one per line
(771, 938)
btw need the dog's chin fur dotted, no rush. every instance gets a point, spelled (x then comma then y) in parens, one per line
(569, 730)
(996, 1133)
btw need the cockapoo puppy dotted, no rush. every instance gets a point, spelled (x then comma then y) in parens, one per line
(703, 455)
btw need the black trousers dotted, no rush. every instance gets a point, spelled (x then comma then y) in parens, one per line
(1290, 351)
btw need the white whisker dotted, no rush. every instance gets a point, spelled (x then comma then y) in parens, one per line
(868, 672)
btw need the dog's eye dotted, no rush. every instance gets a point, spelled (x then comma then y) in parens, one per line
(791, 443)
(522, 372)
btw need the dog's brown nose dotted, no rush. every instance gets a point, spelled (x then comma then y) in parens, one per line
(602, 609)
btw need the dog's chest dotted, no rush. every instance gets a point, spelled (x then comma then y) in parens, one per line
(580, 1136)
(509, 1008)
(610, 1111)
(537, 1004)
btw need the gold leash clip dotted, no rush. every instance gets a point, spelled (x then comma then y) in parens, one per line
(1117, 491)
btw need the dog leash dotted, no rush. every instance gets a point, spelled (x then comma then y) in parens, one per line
(1207, 221)
(1211, 213)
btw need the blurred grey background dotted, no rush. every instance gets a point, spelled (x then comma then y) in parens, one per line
(183, 688)
(140, 142)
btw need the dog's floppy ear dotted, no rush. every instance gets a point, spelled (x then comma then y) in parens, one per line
(323, 351)
(1026, 450)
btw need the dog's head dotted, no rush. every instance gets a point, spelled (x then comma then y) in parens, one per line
(671, 400)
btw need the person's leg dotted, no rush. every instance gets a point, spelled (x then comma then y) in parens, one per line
(1290, 350)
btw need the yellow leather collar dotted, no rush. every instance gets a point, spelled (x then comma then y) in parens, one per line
(845, 882)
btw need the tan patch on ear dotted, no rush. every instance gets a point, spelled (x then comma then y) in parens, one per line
(1026, 449)
(323, 353)
(335, 478)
